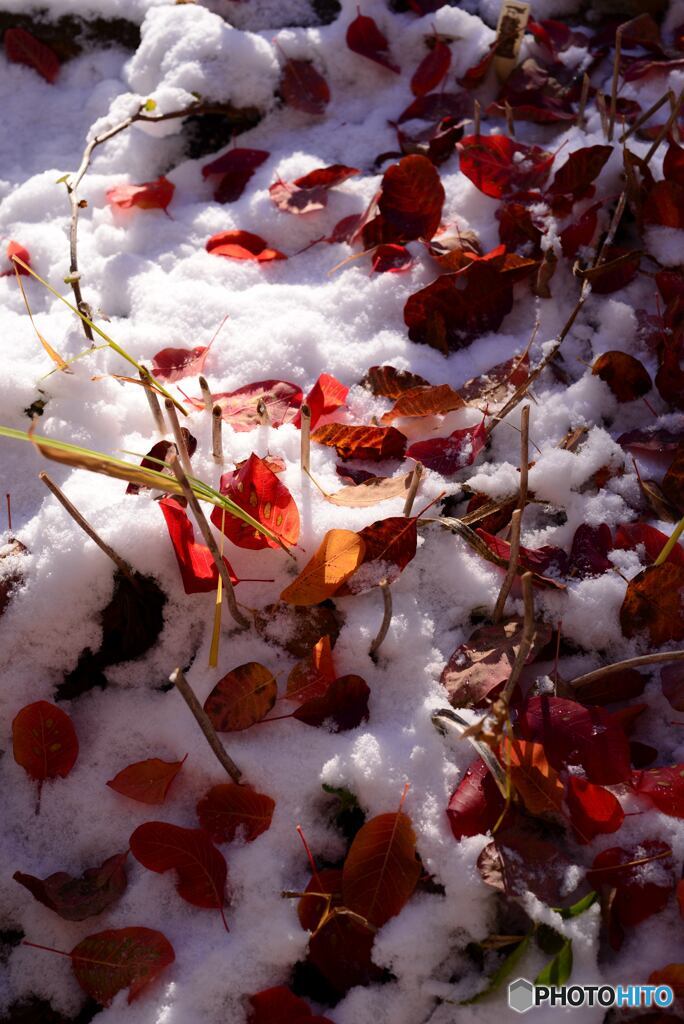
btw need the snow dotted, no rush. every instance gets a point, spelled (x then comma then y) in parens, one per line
(150, 274)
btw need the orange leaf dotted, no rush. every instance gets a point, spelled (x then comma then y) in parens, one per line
(339, 555)
(243, 697)
(148, 781)
(360, 442)
(312, 676)
(532, 776)
(425, 401)
(381, 869)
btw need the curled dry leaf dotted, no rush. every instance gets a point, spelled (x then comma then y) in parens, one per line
(75, 899)
(255, 488)
(381, 869)
(120, 958)
(23, 48)
(303, 87)
(390, 382)
(360, 442)
(200, 868)
(44, 741)
(653, 604)
(242, 245)
(339, 555)
(370, 492)
(227, 810)
(242, 697)
(425, 401)
(151, 195)
(626, 376)
(311, 910)
(158, 454)
(148, 781)
(518, 862)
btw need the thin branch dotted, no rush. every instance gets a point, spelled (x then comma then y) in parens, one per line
(584, 95)
(217, 433)
(209, 540)
(614, 82)
(621, 666)
(413, 489)
(188, 694)
(178, 437)
(386, 619)
(666, 127)
(61, 497)
(524, 455)
(153, 402)
(512, 570)
(476, 116)
(646, 115)
(206, 394)
(671, 543)
(526, 640)
(305, 438)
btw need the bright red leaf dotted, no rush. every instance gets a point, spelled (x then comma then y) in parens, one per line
(381, 869)
(476, 804)
(235, 168)
(44, 741)
(227, 810)
(242, 245)
(498, 165)
(197, 567)
(432, 69)
(574, 236)
(151, 195)
(75, 899)
(411, 200)
(664, 787)
(365, 38)
(303, 87)
(172, 364)
(257, 490)
(148, 781)
(15, 249)
(446, 455)
(593, 809)
(326, 396)
(390, 544)
(23, 48)
(391, 259)
(630, 536)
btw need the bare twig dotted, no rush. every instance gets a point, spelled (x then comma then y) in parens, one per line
(526, 640)
(510, 122)
(217, 433)
(675, 126)
(413, 488)
(614, 82)
(646, 115)
(446, 719)
(621, 666)
(524, 455)
(305, 437)
(206, 394)
(61, 497)
(603, 112)
(209, 540)
(188, 694)
(512, 570)
(476, 116)
(386, 619)
(153, 402)
(675, 106)
(178, 436)
(584, 95)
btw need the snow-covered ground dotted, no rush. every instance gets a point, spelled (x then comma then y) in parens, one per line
(153, 279)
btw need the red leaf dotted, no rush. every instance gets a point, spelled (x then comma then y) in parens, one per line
(242, 697)
(290, 199)
(436, 107)
(672, 975)
(44, 741)
(326, 396)
(673, 162)
(593, 809)
(381, 869)
(312, 676)
(159, 453)
(340, 949)
(642, 888)
(75, 899)
(590, 547)
(197, 567)
(476, 804)
(390, 258)
(257, 490)
(476, 74)
(242, 245)
(15, 249)
(672, 683)
(574, 236)
(303, 87)
(664, 787)
(432, 69)
(345, 230)
(151, 195)
(227, 810)
(365, 38)
(665, 205)
(239, 408)
(653, 604)
(312, 909)
(119, 958)
(280, 1006)
(359, 442)
(201, 868)
(626, 376)
(546, 563)
(148, 782)
(620, 267)
(235, 167)
(172, 364)
(574, 735)
(390, 544)
(498, 165)
(23, 48)
(326, 177)
(581, 168)
(425, 400)
(344, 703)
(629, 536)
(411, 200)
(446, 455)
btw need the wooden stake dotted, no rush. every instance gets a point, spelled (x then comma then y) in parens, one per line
(209, 540)
(201, 717)
(206, 394)
(305, 439)
(217, 433)
(178, 436)
(614, 83)
(413, 489)
(476, 116)
(386, 619)
(153, 402)
(512, 570)
(526, 640)
(61, 497)
(584, 95)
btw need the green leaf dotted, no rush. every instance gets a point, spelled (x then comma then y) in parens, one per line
(504, 969)
(577, 908)
(548, 939)
(558, 970)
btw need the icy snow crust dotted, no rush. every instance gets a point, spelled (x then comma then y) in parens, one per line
(151, 275)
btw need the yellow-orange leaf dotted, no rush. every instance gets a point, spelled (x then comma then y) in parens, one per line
(339, 555)
(532, 776)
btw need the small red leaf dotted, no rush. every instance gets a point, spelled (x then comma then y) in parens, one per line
(151, 195)
(195, 561)
(642, 878)
(665, 205)
(303, 87)
(432, 69)
(326, 177)
(280, 1006)
(257, 490)
(344, 703)
(290, 199)
(392, 259)
(235, 168)
(227, 810)
(359, 442)
(326, 396)
(15, 249)
(589, 552)
(172, 364)
(242, 697)
(75, 899)
(201, 868)
(581, 168)
(381, 869)
(476, 74)
(476, 804)
(120, 958)
(44, 741)
(498, 165)
(575, 236)
(390, 544)
(593, 809)
(148, 782)
(630, 537)
(242, 245)
(411, 200)
(23, 48)
(446, 455)
(365, 38)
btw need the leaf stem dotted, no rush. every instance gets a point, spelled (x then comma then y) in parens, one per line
(201, 717)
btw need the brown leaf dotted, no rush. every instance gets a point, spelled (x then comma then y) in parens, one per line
(362, 442)
(339, 555)
(370, 492)
(75, 899)
(296, 629)
(390, 382)
(242, 697)
(425, 401)
(381, 870)
(653, 604)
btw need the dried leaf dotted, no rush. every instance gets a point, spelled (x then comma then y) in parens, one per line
(370, 492)
(75, 899)
(626, 376)
(344, 704)
(532, 776)
(653, 604)
(391, 383)
(148, 781)
(360, 442)
(425, 401)
(242, 697)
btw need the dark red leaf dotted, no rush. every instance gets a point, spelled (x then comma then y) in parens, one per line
(241, 698)
(303, 87)
(672, 683)
(312, 909)
(447, 455)
(571, 734)
(498, 165)
(673, 162)
(547, 563)
(476, 804)
(665, 205)
(235, 168)
(359, 442)
(390, 258)
(23, 48)
(312, 676)
(411, 199)
(242, 245)
(517, 863)
(120, 958)
(365, 38)
(151, 195)
(581, 233)
(643, 879)
(280, 1006)
(159, 453)
(581, 168)
(340, 949)
(257, 490)
(201, 868)
(617, 686)
(432, 69)
(227, 810)
(326, 177)
(590, 547)
(240, 408)
(593, 809)
(653, 604)
(629, 537)
(195, 561)
(146, 781)
(345, 229)
(620, 267)
(626, 376)
(44, 741)
(344, 703)
(75, 899)
(476, 74)
(436, 106)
